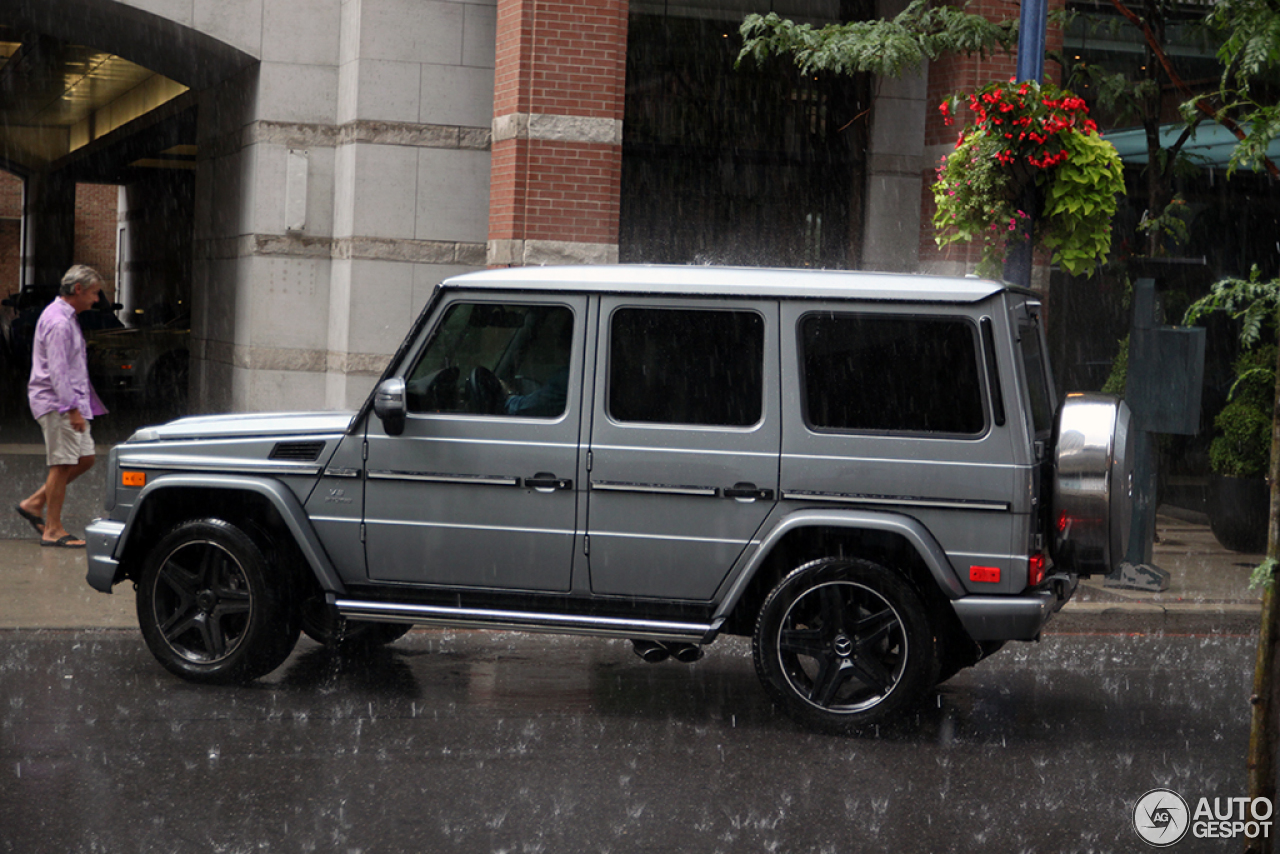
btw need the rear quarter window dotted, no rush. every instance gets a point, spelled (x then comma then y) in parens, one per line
(891, 374)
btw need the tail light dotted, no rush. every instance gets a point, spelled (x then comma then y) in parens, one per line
(1035, 569)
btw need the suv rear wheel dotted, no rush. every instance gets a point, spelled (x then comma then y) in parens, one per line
(843, 643)
(209, 608)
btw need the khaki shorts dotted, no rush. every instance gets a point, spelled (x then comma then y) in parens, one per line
(63, 445)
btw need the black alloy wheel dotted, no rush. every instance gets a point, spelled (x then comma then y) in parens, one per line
(209, 607)
(844, 643)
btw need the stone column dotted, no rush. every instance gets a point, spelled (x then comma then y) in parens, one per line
(557, 132)
(411, 177)
(339, 179)
(49, 209)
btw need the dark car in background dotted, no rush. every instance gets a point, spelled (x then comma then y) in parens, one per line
(18, 315)
(147, 364)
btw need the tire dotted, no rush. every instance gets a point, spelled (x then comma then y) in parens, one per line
(210, 608)
(841, 644)
(950, 664)
(324, 626)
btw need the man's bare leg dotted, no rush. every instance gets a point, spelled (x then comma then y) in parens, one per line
(50, 497)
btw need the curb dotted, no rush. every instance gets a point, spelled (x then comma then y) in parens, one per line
(1145, 617)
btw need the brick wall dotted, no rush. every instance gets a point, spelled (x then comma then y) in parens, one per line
(563, 58)
(95, 242)
(95, 231)
(559, 83)
(10, 233)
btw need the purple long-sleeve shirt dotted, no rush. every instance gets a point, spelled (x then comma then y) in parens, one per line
(59, 368)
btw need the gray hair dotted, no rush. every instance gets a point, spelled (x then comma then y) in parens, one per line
(78, 275)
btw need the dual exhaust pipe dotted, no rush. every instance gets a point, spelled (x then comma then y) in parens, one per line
(654, 652)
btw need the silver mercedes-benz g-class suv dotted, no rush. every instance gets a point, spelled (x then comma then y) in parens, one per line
(869, 475)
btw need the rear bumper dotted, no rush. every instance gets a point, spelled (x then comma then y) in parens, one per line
(1000, 618)
(101, 538)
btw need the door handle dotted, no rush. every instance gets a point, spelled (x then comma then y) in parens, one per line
(547, 482)
(747, 492)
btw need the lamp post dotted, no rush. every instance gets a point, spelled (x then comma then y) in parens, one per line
(1033, 23)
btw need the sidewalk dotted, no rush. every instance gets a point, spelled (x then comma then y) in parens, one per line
(1208, 588)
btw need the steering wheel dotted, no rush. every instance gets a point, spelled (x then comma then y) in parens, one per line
(484, 391)
(436, 392)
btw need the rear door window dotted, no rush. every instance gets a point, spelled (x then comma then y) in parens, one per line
(678, 366)
(891, 374)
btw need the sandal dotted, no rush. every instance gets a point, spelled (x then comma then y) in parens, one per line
(36, 521)
(68, 541)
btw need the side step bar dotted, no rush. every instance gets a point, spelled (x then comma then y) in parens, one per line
(526, 621)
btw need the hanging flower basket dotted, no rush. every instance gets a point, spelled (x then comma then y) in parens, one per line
(1034, 142)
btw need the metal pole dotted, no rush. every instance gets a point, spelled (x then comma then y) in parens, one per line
(1033, 22)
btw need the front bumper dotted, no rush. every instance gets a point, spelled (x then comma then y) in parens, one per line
(1000, 618)
(101, 538)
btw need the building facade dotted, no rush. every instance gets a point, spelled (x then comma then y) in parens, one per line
(327, 162)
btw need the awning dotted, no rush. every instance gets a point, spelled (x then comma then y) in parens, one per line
(1210, 144)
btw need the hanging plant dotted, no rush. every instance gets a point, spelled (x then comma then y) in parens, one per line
(1028, 137)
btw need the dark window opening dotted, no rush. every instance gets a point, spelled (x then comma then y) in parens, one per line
(749, 165)
(1036, 368)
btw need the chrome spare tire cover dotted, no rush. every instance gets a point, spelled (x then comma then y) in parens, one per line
(1093, 484)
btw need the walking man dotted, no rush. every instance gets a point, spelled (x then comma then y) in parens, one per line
(64, 403)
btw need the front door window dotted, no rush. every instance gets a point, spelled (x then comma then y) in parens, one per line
(495, 359)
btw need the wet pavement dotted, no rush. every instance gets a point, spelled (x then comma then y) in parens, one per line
(475, 742)
(470, 741)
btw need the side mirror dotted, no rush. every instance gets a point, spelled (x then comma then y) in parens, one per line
(389, 405)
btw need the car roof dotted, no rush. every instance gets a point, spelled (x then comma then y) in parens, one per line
(733, 281)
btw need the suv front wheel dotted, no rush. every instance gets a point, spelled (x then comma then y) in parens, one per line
(842, 643)
(209, 607)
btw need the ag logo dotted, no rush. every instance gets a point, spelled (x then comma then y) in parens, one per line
(1161, 817)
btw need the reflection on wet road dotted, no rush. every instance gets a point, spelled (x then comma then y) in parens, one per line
(473, 742)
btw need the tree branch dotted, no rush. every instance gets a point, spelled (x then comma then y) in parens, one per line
(1201, 104)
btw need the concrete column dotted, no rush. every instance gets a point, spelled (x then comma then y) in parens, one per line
(411, 172)
(338, 181)
(557, 132)
(49, 210)
(155, 248)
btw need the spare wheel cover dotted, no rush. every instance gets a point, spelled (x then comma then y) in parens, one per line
(1092, 484)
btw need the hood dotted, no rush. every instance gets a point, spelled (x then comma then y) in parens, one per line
(247, 425)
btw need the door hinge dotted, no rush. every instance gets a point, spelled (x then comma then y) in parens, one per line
(589, 461)
(586, 544)
(364, 450)
(362, 529)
